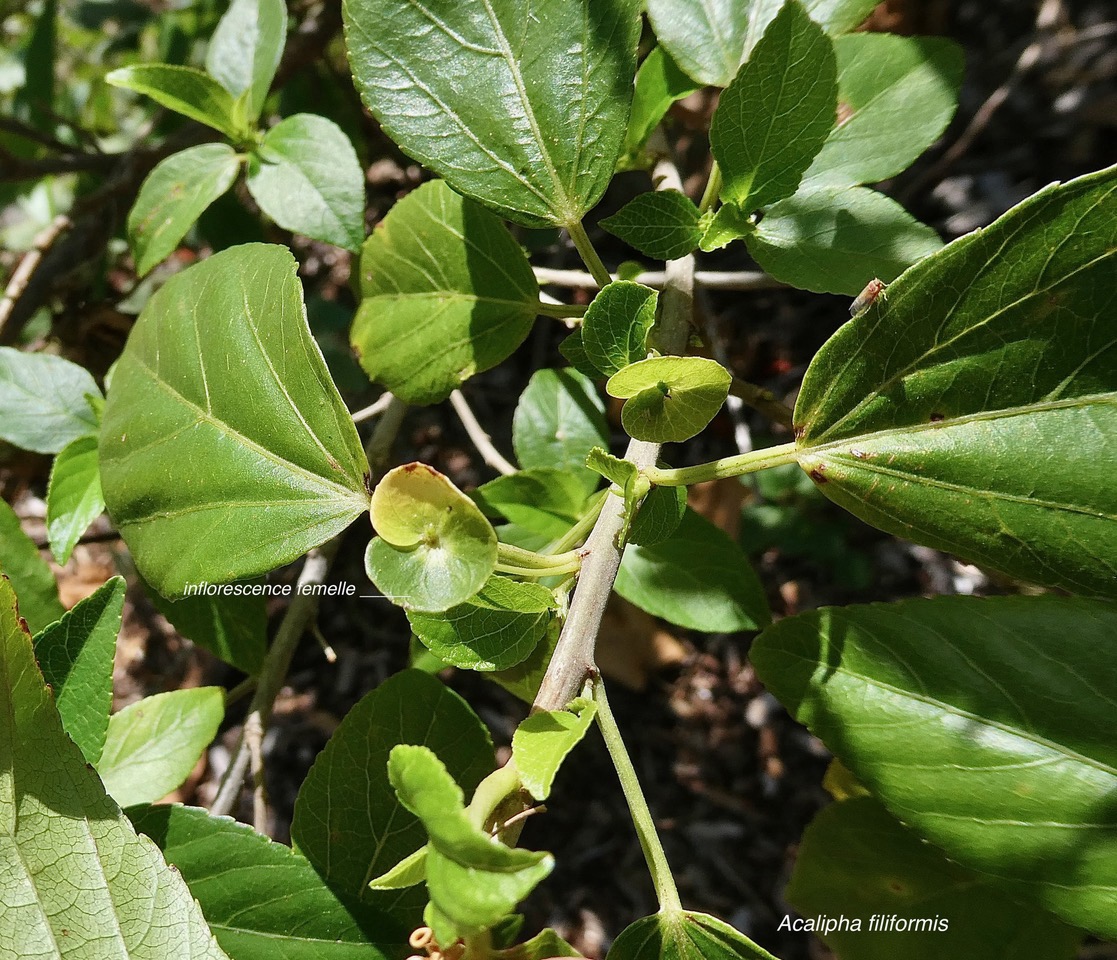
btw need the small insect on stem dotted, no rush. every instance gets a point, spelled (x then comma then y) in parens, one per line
(867, 297)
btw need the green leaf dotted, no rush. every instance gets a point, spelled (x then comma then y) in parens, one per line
(495, 629)
(669, 399)
(185, 90)
(659, 516)
(45, 401)
(226, 450)
(896, 95)
(233, 628)
(776, 114)
(172, 198)
(663, 224)
(729, 223)
(697, 578)
(542, 741)
(523, 680)
(245, 49)
(560, 418)
(545, 500)
(348, 821)
(154, 743)
(74, 497)
(575, 352)
(306, 176)
(973, 406)
(837, 240)
(76, 657)
(616, 325)
(536, 131)
(710, 41)
(261, 898)
(446, 294)
(856, 861)
(977, 723)
(30, 574)
(684, 935)
(58, 829)
(659, 83)
(545, 945)
(474, 880)
(409, 872)
(435, 548)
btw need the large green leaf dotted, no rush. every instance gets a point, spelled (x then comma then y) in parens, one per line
(306, 176)
(76, 880)
(698, 578)
(347, 821)
(980, 723)
(776, 114)
(710, 39)
(174, 195)
(261, 899)
(859, 864)
(245, 49)
(154, 743)
(74, 498)
(896, 95)
(185, 90)
(522, 106)
(973, 407)
(684, 935)
(446, 293)
(234, 628)
(44, 401)
(76, 657)
(546, 501)
(30, 574)
(837, 240)
(226, 450)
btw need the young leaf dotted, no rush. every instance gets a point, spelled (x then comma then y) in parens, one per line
(670, 399)
(172, 198)
(154, 743)
(74, 498)
(972, 407)
(659, 83)
(261, 898)
(558, 421)
(473, 879)
(615, 328)
(727, 224)
(523, 680)
(896, 95)
(542, 742)
(537, 130)
(977, 723)
(348, 821)
(249, 469)
(776, 114)
(185, 90)
(58, 828)
(698, 578)
(29, 573)
(575, 352)
(245, 49)
(659, 516)
(710, 41)
(837, 240)
(857, 861)
(446, 293)
(44, 399)
(495, 629)
(683, 935)
(434, 548)
(409, 872)
(663, 224)
(545, 500)
(76, 656)
(306, 176)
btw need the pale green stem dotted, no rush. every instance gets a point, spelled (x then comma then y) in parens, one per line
(660, 870)
(713, 188)
(577, 533)
(561, 311)
(479, 946)
(543, 564)
(588, 254)
(737, 466)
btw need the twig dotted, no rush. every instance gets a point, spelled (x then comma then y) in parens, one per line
(374, 409)
(44, 240)
(253, 738)
(710, 279)
(763, 400)
(481, 440)
(299, 615)
(573, 659)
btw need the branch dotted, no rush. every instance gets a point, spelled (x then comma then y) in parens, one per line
(710, 279)
(481, 440)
